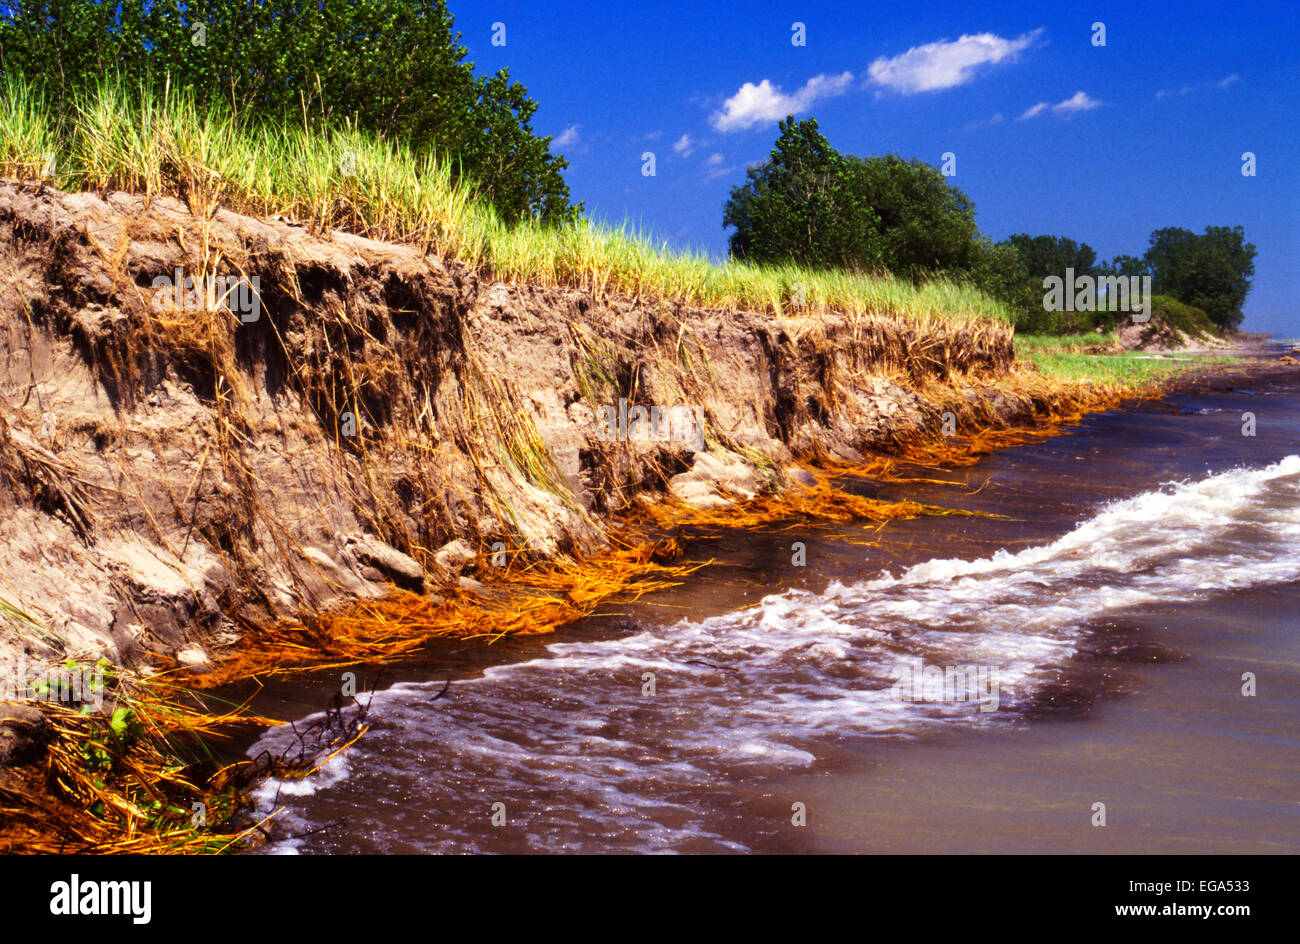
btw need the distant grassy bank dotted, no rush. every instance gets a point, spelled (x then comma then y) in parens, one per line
(336, 177)
(1099, 359)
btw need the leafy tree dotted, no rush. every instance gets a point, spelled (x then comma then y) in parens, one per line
(394, 67)
(795, 207)
(1211, 271)
(811, 205)
(1126, 266)
(1052, 255)
(926, 224)
(67, 43)
(1020, 285)
(998, 270)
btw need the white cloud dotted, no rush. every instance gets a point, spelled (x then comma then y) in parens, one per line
(568, 137)
(684, 145)
(1079, 101)
(973, 125)
(1225, 82)
(765, 102)
(947, 64)
(714, 160)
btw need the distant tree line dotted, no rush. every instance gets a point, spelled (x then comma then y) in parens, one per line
(395, 67)
(809, 204)
(1208, 273)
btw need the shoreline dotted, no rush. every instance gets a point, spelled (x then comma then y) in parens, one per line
(588, 671)
(226, 728)
(331, 484)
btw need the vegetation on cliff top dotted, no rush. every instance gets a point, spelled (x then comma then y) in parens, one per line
(395, 67)
(809, 202)
(367, 116)
(166, 144)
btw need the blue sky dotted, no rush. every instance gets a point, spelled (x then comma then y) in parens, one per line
(1051, 134)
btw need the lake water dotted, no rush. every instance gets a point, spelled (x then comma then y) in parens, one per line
(972, 684)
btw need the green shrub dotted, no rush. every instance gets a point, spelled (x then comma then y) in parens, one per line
(1185, 318)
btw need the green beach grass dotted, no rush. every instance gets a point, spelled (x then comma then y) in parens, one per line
(1093, 358)
(338, 178)
(1028, 344)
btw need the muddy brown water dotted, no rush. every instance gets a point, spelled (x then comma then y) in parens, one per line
(1141, 566)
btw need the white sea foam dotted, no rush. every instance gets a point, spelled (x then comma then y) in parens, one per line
(772, 685)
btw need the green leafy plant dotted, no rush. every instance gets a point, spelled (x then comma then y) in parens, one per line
(390, 67)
